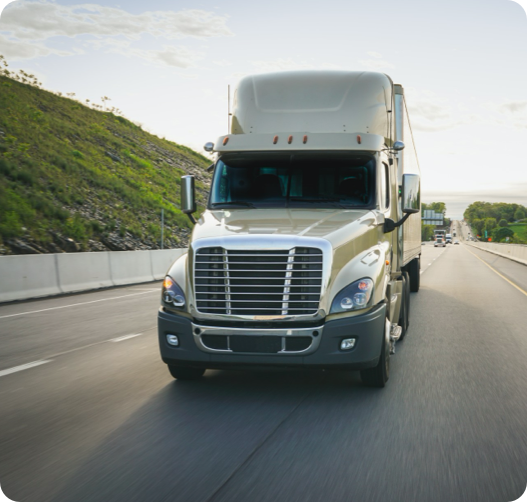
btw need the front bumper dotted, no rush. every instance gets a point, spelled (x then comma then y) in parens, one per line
(368, 329)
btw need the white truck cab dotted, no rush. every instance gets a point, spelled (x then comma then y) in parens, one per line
(310, 243)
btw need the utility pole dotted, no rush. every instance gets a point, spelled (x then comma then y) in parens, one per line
(162, 225)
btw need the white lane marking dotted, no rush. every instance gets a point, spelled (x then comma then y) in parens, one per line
(126, 337)
(23, 367)
(77, 304)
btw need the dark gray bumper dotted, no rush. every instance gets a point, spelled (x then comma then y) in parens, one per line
(368, 329)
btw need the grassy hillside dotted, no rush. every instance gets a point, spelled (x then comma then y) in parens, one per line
(77, 179)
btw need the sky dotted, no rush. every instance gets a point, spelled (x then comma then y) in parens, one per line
(167, 66)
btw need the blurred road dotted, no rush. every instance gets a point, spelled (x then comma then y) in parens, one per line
(90, 413)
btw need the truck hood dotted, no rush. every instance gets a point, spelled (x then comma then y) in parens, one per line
(334, 225)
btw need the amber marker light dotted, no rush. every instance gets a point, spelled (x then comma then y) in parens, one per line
(290, 139)
(363, 286)
(275, 140)
(168, 282)
(359, 139)
(225, 141)
(387, 262)
(305, 139)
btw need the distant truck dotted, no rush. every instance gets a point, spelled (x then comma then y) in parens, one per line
(448, 238)
(310, 244)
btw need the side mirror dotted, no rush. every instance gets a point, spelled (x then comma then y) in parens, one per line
(411, 193)
(411, 201)
(188, 199)
(398, 146)
(208, 147)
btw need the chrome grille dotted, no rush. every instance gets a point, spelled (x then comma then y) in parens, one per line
(274, 282)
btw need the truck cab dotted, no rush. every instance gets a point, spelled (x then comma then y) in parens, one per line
(310, 243)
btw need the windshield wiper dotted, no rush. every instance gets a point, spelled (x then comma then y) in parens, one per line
(233, 203)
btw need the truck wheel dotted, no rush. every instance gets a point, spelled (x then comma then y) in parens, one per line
(414, 270)
(404, 318)
(378, 375)
(183, 373)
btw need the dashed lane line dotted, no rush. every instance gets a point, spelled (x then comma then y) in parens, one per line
(52, 357)
(126, 337)
(78, 304)
(23, 367)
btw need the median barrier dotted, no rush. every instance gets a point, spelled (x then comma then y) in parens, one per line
(28, 276)
(162, 259)
(130, 267)
(84, 271)
(23, 277)
(515, 252)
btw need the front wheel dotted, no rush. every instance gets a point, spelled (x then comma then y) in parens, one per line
(183, 373)
(378, 375)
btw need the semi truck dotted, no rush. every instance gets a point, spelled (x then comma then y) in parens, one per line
(309, 246)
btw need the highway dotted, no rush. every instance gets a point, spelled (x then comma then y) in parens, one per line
(90, 413)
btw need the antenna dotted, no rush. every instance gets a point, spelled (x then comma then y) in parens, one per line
(228, 109)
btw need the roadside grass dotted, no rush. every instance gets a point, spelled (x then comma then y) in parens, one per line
(520, 230)
(60, 160)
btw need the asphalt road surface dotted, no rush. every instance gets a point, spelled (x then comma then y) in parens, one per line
(90, 413)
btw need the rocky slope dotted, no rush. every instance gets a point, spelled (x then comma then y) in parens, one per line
(77, 179)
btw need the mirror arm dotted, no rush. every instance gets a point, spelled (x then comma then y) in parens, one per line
(191, 218)
(390, 225)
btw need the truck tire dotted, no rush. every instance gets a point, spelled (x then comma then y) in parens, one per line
(378, 375)
(185, 373)
(404, 318)
(414, 270)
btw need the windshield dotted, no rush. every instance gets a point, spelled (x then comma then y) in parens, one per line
(293, 180)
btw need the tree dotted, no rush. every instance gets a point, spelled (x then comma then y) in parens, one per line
(503, 223)
(427, 232)
(478, 226)
(490, 224)
(519, 214)
(500, 234)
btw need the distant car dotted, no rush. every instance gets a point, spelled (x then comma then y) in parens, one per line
(439, 243)
(456, 242)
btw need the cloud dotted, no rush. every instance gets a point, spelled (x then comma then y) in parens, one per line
(514, 107)
(26, 27)
(178, 57)
(27, 50)
(375, 64)
(432, 113)
(40, 20)
(289, 64)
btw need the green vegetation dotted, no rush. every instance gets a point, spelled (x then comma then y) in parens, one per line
(427, 231)
(501, 221)
(85, 174)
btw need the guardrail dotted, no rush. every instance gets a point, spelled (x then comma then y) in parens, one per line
(23, 277)
(516, 252)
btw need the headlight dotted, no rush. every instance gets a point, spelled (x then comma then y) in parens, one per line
(356, 296)
(172, 294)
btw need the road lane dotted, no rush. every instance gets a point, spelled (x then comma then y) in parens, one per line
(31, 331)
(108, 423)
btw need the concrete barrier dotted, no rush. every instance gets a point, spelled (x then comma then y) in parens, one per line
(28, 276)
(34, 276)
(83, 271)
(515, 252)
(162, 259)
(130, 266)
